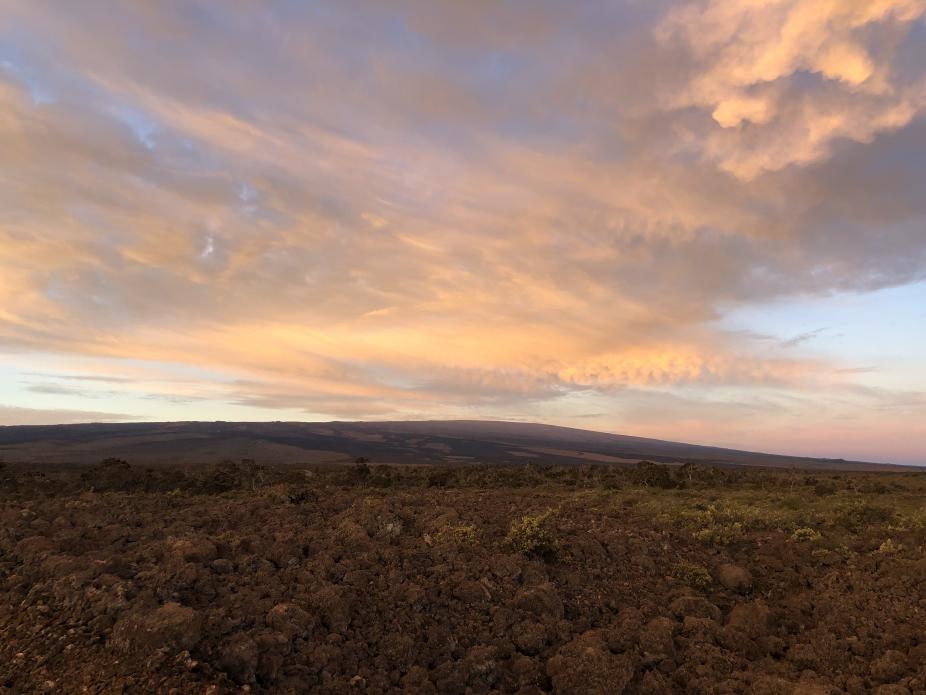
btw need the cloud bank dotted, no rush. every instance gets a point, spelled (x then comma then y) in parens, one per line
(353, 210)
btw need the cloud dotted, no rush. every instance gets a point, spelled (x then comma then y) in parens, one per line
(803, 338)
(440, 210)
(59, 390)
(784, 80)
(12, 415)
(91, 378)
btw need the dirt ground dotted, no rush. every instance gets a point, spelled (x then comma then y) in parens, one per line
(473, 579)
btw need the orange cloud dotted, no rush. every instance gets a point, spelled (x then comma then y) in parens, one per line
(746, 54)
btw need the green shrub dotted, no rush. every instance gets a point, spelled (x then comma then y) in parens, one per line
(911, 521)
(721, 524)
(858, 515)
(889, 546)
(458, 535)
(534, 536)
(695, 576)
(721, 534)
(806, 535)
(649, 474)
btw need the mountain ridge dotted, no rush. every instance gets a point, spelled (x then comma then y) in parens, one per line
(396, 441)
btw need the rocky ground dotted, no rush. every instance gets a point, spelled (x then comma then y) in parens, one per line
(375, 579)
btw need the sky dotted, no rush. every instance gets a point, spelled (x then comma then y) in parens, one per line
(698, 220)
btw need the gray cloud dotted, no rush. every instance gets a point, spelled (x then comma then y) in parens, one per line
(59, 390)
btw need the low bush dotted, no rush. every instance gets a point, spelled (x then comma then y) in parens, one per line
(806, 535)
(889, 546)
(534, 536)
(461, 536)
(721, 534)
(859, 515)
(695, 576)
(650, 474)
(721, 525)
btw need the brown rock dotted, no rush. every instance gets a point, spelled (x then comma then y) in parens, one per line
(855, 685)
(417, 682)
(644, 562)
(333, 609)
(770, 685)
(529, 636)
(541, 600)
(352, 536)
(803, 656)
(273, 649)
(625, 631)
(197, 550)
(290, 620)
(171, 627)
(585, 665)
(694, 606)
(814, 689)
(699, 629)
(890, 666)
(34, 547)
(735, 578)
(525, 670)
(238, 656)
(656, 637)
(654, 683)
(892, 689)
(469, 592)
(480, 666)
(222, 566)
(750, 619)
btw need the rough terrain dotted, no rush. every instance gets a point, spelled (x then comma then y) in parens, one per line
(479, 579)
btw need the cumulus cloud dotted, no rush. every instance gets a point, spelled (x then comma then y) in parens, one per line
(786, 79)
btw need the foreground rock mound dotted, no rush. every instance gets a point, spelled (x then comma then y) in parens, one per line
(586, 665)
(171, 627)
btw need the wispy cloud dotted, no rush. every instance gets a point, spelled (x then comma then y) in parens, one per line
(802, 337)
(12, 415)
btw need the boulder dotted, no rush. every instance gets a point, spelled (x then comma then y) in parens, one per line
(625, 632)
(529, 636)
(238, 656)
(470, 591)
(542, 601)
(735, 578)
(586, 665)
(750, 619)
(417, 682)
(333, 609)
(290, 620)
(694, 606)
(198, 550)
(892, 689)
(171, 627)
(889, 667)
(656, 638)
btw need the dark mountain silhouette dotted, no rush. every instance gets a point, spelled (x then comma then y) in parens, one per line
(432, 442)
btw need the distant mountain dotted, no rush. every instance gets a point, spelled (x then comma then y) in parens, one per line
(432, 442)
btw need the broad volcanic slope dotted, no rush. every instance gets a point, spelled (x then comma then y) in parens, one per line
(456, 441)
